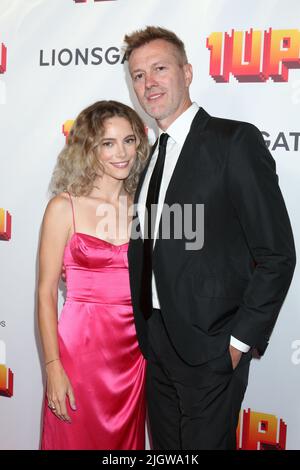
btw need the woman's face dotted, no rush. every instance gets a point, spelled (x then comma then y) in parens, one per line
(117, 148)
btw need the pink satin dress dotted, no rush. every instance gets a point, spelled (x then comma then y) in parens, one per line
(99, 352)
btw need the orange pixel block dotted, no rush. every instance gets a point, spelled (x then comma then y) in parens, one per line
(67, 126)
(259, 432)
(3, 57)
(6, 381)
(246, 56)
(282, 52)
(5, 225)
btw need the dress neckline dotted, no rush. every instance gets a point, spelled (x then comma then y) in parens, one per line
(101, 240)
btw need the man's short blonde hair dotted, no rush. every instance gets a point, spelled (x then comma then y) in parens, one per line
(151, 33)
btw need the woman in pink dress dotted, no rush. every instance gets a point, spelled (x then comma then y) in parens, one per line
(94, 368)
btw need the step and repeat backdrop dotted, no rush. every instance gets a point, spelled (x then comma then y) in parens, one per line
(57, 57)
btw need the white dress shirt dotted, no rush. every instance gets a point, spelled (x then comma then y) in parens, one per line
(177, 132)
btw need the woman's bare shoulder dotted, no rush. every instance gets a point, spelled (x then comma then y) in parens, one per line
(59, 207)
(59, 202)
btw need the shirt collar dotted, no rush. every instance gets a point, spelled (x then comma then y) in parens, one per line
(179, 129)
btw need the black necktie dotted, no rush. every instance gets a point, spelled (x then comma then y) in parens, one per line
(150, 218)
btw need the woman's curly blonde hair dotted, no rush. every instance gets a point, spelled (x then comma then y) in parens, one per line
(78, 165)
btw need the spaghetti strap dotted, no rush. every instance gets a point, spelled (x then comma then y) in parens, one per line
(72, 205)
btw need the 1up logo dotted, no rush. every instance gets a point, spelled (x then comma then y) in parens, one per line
(254, 56)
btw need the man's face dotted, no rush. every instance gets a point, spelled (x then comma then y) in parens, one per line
(160, 82)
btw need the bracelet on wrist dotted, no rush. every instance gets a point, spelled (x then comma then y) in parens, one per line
(49, 362)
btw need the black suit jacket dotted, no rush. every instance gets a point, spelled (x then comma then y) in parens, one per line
(236, 284)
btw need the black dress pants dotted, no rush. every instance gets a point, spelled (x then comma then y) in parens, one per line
(191, 407)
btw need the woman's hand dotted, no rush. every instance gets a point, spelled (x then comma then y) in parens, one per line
(58, 387)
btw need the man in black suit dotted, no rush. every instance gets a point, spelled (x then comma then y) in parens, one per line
(200, 311)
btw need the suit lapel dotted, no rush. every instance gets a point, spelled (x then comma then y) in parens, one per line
(197, 126)
(187, 153)
(182, 166)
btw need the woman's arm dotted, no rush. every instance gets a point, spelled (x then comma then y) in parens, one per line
(56, 228)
